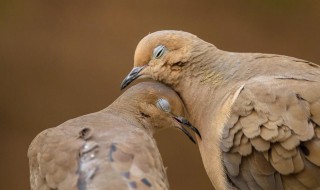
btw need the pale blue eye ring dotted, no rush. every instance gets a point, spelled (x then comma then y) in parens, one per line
(159, 51)
(163, 104)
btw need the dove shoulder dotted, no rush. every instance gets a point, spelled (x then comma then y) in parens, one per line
(244, 66)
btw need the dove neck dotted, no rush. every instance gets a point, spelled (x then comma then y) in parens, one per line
(197, 99)
(199, 84)
(208, 111)
(208, 117)
(204, 93)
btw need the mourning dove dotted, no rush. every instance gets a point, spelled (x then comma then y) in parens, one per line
(258, 114)
(110, 149)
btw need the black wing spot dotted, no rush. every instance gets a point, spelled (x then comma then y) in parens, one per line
(133, 184)
(146, 182)
(299, 97)
(126, 175)
(85, 133)
(112, 149)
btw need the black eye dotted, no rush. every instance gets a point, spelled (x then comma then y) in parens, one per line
(163, 104)
(159, 51)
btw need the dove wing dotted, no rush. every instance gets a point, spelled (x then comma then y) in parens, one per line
(272, 138)
(54, 160)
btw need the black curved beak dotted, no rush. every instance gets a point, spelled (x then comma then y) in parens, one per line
(186, 123)
(134, 74)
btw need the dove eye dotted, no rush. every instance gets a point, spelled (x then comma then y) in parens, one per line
(163, 104)
(159, 51)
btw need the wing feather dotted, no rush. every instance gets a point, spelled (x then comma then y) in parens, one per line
(273, 133)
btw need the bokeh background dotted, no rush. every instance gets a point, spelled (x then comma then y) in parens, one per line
(63, 59)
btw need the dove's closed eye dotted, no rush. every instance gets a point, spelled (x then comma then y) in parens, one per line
(163, 104)
(159, 51)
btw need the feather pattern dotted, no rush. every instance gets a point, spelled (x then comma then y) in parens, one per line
(280, 122)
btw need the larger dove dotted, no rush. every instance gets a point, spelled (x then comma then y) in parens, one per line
(110, 149)
(258, 114)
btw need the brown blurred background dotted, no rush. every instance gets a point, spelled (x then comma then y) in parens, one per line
(63, 59)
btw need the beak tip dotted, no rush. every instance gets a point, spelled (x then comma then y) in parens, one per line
(123, 85)
(185, 122)
(187, 134)
(198, 133)
(134, 74)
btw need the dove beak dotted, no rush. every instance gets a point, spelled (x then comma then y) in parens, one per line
(134, 74)
(186, 123)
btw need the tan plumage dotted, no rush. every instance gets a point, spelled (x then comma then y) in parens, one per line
(258, 114)
(110, 149)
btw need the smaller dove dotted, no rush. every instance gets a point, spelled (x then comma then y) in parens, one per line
(110, 149)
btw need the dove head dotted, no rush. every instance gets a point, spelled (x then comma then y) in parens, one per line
(156, 106)
(163, 56)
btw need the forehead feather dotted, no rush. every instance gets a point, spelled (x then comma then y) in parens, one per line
(170, 38)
